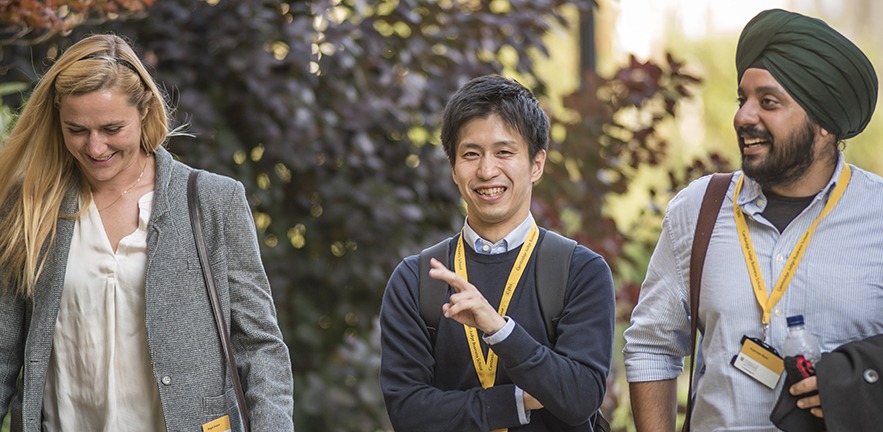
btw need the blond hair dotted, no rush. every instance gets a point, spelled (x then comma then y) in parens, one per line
(38, 171)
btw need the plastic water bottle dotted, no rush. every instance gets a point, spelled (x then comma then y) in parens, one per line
(800, 342)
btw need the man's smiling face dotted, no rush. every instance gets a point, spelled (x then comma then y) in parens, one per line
(495, 175)
(776, 138)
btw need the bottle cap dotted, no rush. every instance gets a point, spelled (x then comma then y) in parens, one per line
(795, 320)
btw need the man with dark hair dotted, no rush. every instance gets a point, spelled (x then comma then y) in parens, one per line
(799, 233)
(489, 362)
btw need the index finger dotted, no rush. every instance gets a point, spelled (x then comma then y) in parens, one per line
(440, 272)
(804, 386)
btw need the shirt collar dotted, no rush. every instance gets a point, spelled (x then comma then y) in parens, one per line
(752, 199)
(514, 239)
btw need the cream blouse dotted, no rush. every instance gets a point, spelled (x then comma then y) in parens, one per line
(100, 376)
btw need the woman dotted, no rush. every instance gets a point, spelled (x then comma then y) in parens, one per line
(103, 308)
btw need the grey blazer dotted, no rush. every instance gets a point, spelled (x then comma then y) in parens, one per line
(188, 363)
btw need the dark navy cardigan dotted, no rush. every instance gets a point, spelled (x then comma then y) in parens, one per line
(430, 388)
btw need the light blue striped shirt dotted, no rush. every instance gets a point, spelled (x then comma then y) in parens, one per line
(837, 287)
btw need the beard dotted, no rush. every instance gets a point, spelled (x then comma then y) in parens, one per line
(787, 159)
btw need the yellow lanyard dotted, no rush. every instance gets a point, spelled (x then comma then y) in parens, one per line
(767, 302)
(487, 369)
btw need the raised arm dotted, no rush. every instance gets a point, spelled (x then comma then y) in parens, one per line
(569, 379)
(408, 376)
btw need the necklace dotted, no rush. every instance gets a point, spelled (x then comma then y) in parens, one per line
(143, 168)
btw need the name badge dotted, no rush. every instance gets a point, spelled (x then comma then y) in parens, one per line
(221, 424)
(759, 361)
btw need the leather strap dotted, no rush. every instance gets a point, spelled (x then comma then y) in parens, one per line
(220, 322)
(708, 212)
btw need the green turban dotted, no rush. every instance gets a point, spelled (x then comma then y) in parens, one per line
(823, 71)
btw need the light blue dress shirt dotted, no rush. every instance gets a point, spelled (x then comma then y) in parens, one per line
(837, 287)
(515, 238)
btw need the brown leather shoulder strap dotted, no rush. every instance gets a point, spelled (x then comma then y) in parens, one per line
(708, 213)
(214, 296)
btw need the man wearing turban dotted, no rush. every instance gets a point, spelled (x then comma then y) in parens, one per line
(799, 232)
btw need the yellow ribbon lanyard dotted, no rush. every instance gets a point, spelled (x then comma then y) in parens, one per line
(487, 369)
(767, 302)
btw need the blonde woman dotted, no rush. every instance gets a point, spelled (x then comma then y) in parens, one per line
(105, 323)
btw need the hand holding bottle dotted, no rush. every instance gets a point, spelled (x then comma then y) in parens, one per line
(802, 345)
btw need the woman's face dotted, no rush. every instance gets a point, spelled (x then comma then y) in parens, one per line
(102, 130)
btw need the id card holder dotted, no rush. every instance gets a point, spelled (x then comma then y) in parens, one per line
(759, 361)
(220, 424)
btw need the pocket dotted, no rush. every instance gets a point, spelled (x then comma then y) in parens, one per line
(843, 304)
(219, 405)
(225, 404)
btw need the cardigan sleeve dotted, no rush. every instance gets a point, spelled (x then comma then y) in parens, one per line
(261, 354)
(569, 378)
(12, 332)
(12, 341)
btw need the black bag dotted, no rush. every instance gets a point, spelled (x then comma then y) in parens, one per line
(786, 415)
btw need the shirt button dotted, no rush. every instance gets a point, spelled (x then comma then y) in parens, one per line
(779, 258)
(485, 248)
(761, 202)
(167, 380)
(778, 312)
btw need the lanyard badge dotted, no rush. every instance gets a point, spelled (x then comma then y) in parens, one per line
(759, 361)
(768, 302)
(487, 368)
(756, 358)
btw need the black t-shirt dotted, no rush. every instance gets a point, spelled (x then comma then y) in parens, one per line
(781, 210)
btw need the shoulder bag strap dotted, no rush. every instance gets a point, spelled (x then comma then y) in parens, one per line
(432, 291)
(196, 223)
(552, 271)
(708, 212)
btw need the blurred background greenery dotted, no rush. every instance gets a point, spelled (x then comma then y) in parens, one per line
(328, 111)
